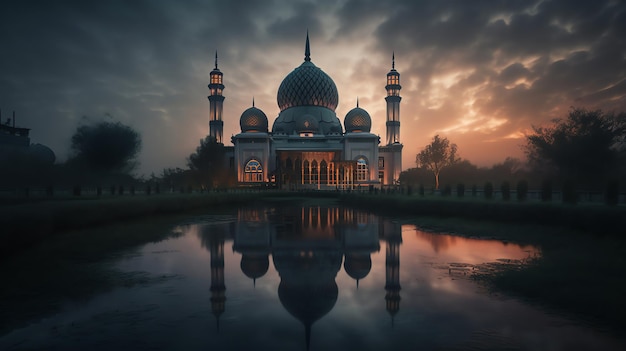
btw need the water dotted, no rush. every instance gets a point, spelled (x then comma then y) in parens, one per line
(318, 278)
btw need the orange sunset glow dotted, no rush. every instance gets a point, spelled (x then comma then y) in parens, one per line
(480, 74)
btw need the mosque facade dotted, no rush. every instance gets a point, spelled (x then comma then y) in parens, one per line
(308, 147)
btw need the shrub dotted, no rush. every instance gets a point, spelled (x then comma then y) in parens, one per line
(505, 187)
(569, 193)
(421, 190)
(488, 190)
(460, 190)
(447, 190)
(522, 190)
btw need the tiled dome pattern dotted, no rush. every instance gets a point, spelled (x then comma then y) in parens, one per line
(358, 120)
(253, 120)
(307, 85)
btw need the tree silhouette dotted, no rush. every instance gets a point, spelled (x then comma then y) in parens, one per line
(587, 146)
(106, 146)
(208, 163)
(436, 156)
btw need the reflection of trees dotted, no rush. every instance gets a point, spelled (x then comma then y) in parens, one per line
(437, 242)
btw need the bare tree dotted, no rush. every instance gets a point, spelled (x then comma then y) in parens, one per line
(436, 156)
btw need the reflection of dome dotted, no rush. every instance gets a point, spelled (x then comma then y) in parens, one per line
(254, 266)
(253, 120)
(307, 90)
(357, 266)
(358, 120)
(307, 287)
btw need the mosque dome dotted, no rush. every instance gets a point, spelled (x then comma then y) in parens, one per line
(307, 90)
(358, 120)
(308, 85)
(253, 120)
(42, 153)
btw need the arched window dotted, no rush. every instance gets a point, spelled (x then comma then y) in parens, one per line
(314, 172)
(323, 172)
(361, 169)
(253, 171)
(307, 171)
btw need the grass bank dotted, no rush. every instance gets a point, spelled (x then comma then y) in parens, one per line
(593, 219)
(26, 224)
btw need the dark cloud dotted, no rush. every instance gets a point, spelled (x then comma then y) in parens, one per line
(480, 71)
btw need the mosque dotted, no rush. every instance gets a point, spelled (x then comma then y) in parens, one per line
(308, 147)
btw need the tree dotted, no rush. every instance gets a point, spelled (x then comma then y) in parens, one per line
(587, 146)
(106, 146)
(436, 156)
(208, 163)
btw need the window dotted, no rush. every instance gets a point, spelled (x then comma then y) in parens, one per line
(253, 171)
(381, 163)
(361, 169)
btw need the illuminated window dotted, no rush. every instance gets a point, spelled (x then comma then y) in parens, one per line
(323, 172)
(361, 169)
(314, 171)
(381, 163)
(253, 171)
(216, 79)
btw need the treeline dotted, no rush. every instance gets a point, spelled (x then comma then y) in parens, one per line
(584, 153)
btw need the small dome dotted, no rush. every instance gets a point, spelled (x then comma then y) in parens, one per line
(358, 120)
(306, 124)
(253, 120)
(43, 153)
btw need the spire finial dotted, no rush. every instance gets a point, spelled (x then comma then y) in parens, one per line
(253, 101)
(215, 59)
(393, 60)
(307, 48)
(357, 105)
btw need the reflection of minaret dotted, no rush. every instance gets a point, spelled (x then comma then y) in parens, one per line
(218, 289)
(216, 104)
(393, 236)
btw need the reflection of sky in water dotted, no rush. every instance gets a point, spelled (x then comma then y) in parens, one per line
(296, 256)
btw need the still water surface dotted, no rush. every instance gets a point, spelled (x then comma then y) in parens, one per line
(318, 278)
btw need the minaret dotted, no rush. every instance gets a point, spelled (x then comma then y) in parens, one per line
(218, 289)
(391, 153)
(393, 103)
(216, 104)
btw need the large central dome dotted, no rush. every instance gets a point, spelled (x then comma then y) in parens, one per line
(307, 85)
(307, 90)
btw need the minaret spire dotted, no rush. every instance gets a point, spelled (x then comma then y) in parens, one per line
(393, 60)
(215, 59)
(307, 48)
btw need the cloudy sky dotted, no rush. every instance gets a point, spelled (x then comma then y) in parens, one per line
(478, 72)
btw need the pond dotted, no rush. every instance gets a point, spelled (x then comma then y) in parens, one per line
(309, 278)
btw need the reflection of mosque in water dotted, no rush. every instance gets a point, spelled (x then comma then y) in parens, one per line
(307, 246)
